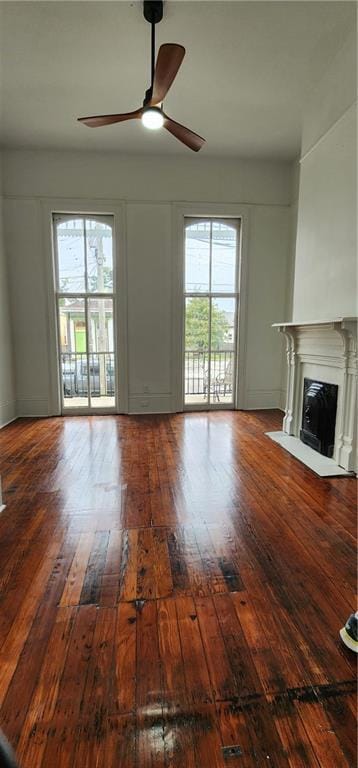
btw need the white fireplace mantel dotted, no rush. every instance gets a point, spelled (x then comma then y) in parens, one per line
(325, 351)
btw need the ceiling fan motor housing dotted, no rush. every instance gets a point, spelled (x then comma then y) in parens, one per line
(153, 11)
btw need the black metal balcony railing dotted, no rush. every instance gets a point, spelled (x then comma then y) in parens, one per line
(196, 376)
(79, 369)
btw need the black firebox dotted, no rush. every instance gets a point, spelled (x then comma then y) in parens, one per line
(319, 415)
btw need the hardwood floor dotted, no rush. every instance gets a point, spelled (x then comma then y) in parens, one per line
(173, 587)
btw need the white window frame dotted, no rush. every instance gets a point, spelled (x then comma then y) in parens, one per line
(220, 211)
(115, 212)
(85, 295)
(210, 404)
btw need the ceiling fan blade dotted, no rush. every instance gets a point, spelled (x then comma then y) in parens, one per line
(169, 59)
(185, 135)
(99, 120)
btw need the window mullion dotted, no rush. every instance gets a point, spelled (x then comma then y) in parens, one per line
(87, 352)
(85, 254)
(210, 300)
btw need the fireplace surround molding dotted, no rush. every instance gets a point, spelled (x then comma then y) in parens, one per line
(324, 351)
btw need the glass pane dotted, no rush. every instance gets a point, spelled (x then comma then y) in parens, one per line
(197, 257)
(71, 257)
(222, 350)
(223, 258)
(101, 353)
(196, 350)
(73, 352)
(99, 257)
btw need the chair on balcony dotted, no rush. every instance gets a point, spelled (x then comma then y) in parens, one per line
(224, 380)
(214, 389)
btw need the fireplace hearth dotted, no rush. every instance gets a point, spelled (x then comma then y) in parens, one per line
(319, 415)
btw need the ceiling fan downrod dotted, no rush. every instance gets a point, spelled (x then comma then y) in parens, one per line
(153, 13)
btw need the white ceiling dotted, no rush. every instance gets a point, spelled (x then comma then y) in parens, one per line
(244, 81)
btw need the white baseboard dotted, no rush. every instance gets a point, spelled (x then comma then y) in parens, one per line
(7, 412)
(256, 399)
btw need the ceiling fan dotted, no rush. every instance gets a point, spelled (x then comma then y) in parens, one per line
(163, 73)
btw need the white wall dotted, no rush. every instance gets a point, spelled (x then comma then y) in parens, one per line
(7, 388)
(148, 188)
(325, 281)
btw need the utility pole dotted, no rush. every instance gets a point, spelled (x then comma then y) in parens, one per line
(102, 335)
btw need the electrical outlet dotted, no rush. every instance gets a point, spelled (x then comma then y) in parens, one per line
(144, 403)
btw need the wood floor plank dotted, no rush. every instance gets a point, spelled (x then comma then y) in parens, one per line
(195, 667)
(64, 732)
(120, 743)
(239, 653)
(163, 577)
(179, 750)
(128, 565)
(111, 572)
(178, 562)
(20, 691)
(214, 573)
(74, 583)
(222, 679)
(173, 680)
(263, 739)
(323, 738)
(146, 586)
(42, 707)
(92, 582)
(98, 692)
(125, 655)
(292, 733)
(149, 694)
(342, 714)
(234, 733)
(20, 629)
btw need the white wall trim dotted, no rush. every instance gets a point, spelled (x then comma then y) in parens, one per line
(120, 201)
(84, 206)
(262, 399)
(221, 210)
(327, 132)
(146, 404)
(7, 412)
(32, 407)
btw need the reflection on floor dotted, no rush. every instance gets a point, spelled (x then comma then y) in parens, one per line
(173, 586)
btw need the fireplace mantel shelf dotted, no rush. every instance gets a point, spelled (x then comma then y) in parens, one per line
(298, 323)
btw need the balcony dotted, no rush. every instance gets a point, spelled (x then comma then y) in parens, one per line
(84, 374)
(199, 386)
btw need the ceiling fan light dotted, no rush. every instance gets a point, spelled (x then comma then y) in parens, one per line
(153, 118)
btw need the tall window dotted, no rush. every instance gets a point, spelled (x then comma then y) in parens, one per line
(85, 310)
(211, 306)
